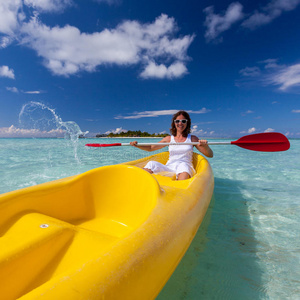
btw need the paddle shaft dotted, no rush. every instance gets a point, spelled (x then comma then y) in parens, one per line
(175, 144)
(265, 142)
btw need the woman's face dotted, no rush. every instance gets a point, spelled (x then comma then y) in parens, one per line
(180, 123)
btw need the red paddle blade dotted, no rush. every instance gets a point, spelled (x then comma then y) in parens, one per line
(266, 142)
(103, 145)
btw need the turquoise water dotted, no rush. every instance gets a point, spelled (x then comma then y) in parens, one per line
(248, 246)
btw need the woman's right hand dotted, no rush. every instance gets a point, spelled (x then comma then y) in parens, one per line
(134, 143)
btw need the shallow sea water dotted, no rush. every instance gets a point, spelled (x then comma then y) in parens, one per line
(247, 247)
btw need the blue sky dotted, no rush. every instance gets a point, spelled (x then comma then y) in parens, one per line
(112, 65)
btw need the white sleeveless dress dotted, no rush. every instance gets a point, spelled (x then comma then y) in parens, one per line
(180, 159)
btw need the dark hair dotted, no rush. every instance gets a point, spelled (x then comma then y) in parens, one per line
(187, 130)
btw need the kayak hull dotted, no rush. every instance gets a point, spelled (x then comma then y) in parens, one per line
(115, 232)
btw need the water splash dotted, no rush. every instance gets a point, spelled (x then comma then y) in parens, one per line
(43, 119)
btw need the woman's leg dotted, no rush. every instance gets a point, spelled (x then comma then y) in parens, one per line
(155, 167)
(184, 171)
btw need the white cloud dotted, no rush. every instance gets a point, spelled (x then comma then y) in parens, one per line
(175, 70)
(194, 128)
(116, 131)
(201, 132)
(269, 12)
(250, 72)
(10, 17)
(270, 63)
(16, 90)
(67, 51)
(48, 5)
(13, 89)
(250, 130)
(5, 41)
(157, 113)
(286, 77)
(5, 71)
(218, 23)
(13, 131)
(296, 111)
(32, 92)
(269, 130)
(247, 112)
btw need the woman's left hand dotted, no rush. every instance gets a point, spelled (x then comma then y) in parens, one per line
(203, 143)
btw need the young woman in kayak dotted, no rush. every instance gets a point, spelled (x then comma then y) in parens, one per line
(181, 156)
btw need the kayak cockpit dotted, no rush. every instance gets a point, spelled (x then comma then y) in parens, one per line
(58, 226)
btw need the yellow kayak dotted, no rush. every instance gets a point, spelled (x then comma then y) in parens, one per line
(114, 232)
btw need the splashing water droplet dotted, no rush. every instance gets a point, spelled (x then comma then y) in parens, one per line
(37, 116)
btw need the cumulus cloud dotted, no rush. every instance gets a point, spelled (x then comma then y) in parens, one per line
(250, 130)
(66, 50)
(201, 132)
(175, 70)
(269, 12)
(5, 71)
(116, 131)
(10, 16)
(13, 131)
(157, 113)
(194, 128)
(218, 23)
(269, 130)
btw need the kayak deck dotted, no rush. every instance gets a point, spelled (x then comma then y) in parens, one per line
(111, 232)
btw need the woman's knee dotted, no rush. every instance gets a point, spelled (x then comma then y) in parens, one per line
(183, 176)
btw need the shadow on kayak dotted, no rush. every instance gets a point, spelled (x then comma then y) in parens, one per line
(221, 262)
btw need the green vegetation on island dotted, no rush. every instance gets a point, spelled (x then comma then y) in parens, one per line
(133, 133)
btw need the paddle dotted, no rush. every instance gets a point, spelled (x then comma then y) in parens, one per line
(265, 142)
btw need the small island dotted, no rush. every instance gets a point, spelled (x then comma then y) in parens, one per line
(132, 133)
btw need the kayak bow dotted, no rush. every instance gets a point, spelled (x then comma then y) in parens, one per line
(115, 232)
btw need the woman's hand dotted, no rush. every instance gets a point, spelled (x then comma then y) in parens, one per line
(134, 143)
(203, 146)
(203, 143)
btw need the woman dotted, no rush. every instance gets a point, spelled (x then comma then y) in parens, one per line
(181, 156)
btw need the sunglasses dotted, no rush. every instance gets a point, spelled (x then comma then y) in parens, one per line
(182, 121)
